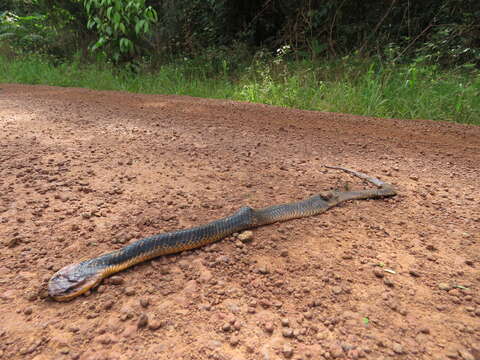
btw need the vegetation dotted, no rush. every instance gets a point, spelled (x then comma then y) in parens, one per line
(389, 59)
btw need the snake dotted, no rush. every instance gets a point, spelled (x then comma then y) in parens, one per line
(76, 279)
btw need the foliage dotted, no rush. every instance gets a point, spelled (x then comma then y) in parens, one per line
(25, 33)
(121, 26)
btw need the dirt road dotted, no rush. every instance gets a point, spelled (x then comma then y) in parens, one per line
(85, 172)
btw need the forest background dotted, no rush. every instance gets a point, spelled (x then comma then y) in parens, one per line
(384, 58)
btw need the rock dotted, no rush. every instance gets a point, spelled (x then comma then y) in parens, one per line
(308, 315)
(336, 351)
(388, 282)
(285, 322)
(205, 275)
(287, 351)
(287, 332)
(116, 280)
(397, 348)
(130, 331)
(142, 321)
(245, 236)
(444, 286)
(269, 327)
(337, 290)
(378, 273)
(129, 291)
(234, 341)
(155, 325)
(414, 273)
(27, 311)
(144, 302)
(425, 330)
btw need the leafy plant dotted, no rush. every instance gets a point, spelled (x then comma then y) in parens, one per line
(121, 26)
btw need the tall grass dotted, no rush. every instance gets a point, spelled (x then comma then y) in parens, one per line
(363, 87)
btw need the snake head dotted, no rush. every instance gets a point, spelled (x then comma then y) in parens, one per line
(73, 280)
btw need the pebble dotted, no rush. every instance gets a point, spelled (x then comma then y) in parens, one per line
(337, 290)
(234, 341)
(155, 324)
(245, 236)
(308, 315)
(142, 321)
(444, 286)
(116, 280)
(336, 351)
(144, 302)
(285, 322)
(269, 327)
(388, 282)
(287, 332)
(129, 291)
(425, 330)
(378, 273)
(27, 311)
(263, 270)
(414, 273)
(31, 296)
(287, 351)
(397, 348)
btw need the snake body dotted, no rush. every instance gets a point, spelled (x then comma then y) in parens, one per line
(76, 279)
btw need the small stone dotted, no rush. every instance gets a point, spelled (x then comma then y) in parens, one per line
(287, 332)
(263, 270)
(414, 273)
(269, 327)
(308, 315)
(129, 291)
(31, 296)
(116, 280)
(444, 286)
(234, 341)
(378, 273)
(109, 304)
(226, 327)
(287, 351)
(142, 321)
(336, 351)
(144, 302)
(337, 290)
(397, 348)
(27, 311)
(154, 325)
(245, 236)
(285, 322)
(388, 282)
(425, 330)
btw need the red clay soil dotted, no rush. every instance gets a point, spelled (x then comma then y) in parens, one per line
(84, 172)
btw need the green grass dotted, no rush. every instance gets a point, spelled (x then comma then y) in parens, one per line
(363, 87)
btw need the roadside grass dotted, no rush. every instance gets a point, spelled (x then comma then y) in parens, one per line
(362, 87)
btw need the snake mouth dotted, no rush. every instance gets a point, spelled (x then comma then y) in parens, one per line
(72, 281)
